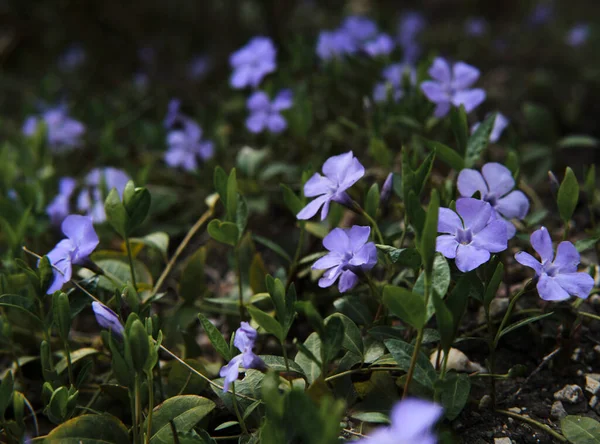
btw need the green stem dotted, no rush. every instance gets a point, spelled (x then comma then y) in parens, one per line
(130, 257)
(138, 409)
(150, 406)
(69, 363)
(508, 313)
(403, 231)
(294, 265)
(541, 426)
(237, 410)
(374, 225)
(132, 406)
(362, 370)
(238, 267)
(589, 315)
(287, 362)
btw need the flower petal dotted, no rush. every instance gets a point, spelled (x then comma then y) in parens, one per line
(499, 178)
(337, 240)
(312, 207)
(283, 100)
(440, 71)
(441, 109)
(230, 371)
(435, 92)
(354, 172)
(328, 261)
(469, 182)
(317, 185)
(567, 257)
(276, 123)
(492, 238)
(258, 101)
(528, 260)
(447, 245)
(335, 167)
(475, 213)
(80, 230)
(366, 257)
(330, 276)
(448, 221)
(412, 418)
(470, 98)
(358, 236)
(463, 75)
(550, 290)
(257, 122)
(348, 281)
(576, 284)
(469, 257)
(514, 204)
(542, 244)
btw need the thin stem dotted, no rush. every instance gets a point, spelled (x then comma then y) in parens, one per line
(238, 268)
(508, 313)
(138, 408)
(287, 362)
(237, 410)
(566, 231)
(132, 406)
(294, 265)
(588, 315)
(69, 363)
(543, 427)
(130, 258)
(186, 240)
(374, 225)
(362, 370)
(404, 231)
(150, 407)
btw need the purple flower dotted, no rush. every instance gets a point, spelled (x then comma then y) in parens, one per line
(81, 241)
(186, 146)
(265, 114)
(58, 209)
(107, 318)
(334, 44)
(349, 256)
(452, 86)
(394, 75)
(62, 132)
(542, 13)
(73, 57)
(381, 45)
(252, 62)
(411, 24)
(244, 340)
(470, 238)
(495, 183)
(97, 184)
(558, 278)
(341, 172)
(500, 124)
(578, 35)
(359, 28)
(173, 113)
(199, 67)
(412, 422)
(476, 26)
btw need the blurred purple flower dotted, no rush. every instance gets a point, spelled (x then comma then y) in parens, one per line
(476, 26)
(381, 45)
(147, 55)
(97, 184)
(58, 209)
(542, 13)
(500, 125)
(199, 67)
(186, 146)
(470, 238)
(412, 422)
(266, 114)
(394, 75)
(341, 172)
(411, 24)
(359, 28)
(244, 340)
(62, 132)
(252, 63)
(558, 278)
(73, 57)
(81, 241)
(107, 318)
(386, 189)
(334, 44)
(494, 184)
(452, 86)
(173, 113)
(578, 35)
(349, 256)
(141, 80)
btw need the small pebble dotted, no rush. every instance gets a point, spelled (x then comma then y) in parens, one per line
(485, 402)
(570, 393)
(592, 383)
(515, 410)
(593, 402)
(504, 440)
(597, 349)
(558, 410)
(575, 355)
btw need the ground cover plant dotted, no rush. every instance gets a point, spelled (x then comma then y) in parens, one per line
(319, 223)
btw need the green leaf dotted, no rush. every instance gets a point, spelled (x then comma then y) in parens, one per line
(372, 201)
(454, 393)
(277, 363)
(578, 141)
(192, 283)
(314, 318)
(523, 323)
(568, 195)
(139, 347)
(415, 212)
(267, 322)
(232, 191)
(402, 352)
(460, 127)
(276, 290)
(241, 215)
(116, 215)
(586, 244)
(407, 257)
(332, 339)
(445, 154)
(137, 205)
(445, 322)
(272, 246)
(76, 356)
(422, 173)
(257, 273)
(430, 231)
(62, 314)
(46, 273)
(224, 232)
(182, 381)
(291, 200)
(479, 141)
(408, 306)
(440, 282)
(90, 429)
(380, 152)
(580, 429)
(307, 357)
(492, 287)
(22, 303)
(352, 338)
(216, 338)
(458, 299)
(183, 411)
(158, 241)
(372, 417)
(220, 183)
(6, 393)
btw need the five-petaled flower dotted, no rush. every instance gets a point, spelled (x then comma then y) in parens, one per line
(452, 86)
(244, 340)
(500, 123)
(349, 256)
(412, 422)
(62, 132)
(81, 241)
(107, 318)
(266, 114)
(470, 238)
(185, 145)
(252, 63)
(558, 278)
(341, 172)
(494, 184)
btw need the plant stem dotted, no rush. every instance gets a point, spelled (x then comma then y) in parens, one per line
(69, 363)
(374, 225)
(543, 427)
(294, 265)
(238, 268)
(138, 408)
(130, 257)
(287, 362)
(588, 315)
(150, 406)
(361, 370)
(132, 406)
(403, 231)
(508, 313)
(237, 410)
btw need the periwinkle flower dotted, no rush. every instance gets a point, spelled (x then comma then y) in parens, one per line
(476, 26)
(470, 238)
(58, 209)
(73, 57)
(107, 318)
(411, 24)
(578, 35)
(495, 184)
(244, 340)
(174, 114)
(381, 45)
(500, 124)
(341, 172)
(62, 132)
(199, 67)
(452, 86)
(394, 75)
(542, 13)
(185, 146)
(252, 63)
(96, 185)
(349, 256)
(266, 114)
(75, 250)
(359, 28)
(558, 278)
(334, 44)
(412, 423)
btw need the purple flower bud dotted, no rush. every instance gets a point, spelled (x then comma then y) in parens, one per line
(554, 183)
(107, 318)
(500, 124)
(386, 189)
